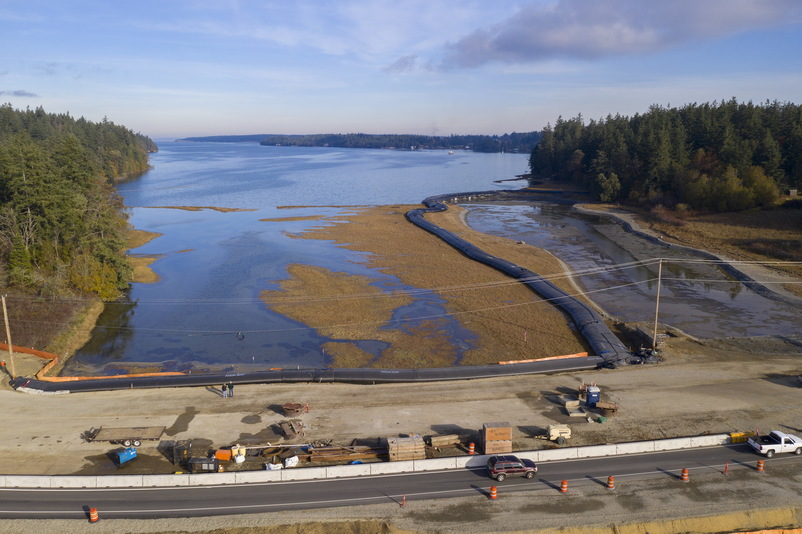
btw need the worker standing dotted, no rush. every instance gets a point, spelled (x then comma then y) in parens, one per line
(225, 390)
(231, 389)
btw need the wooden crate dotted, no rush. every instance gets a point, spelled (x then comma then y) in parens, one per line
(496, 432)
(497, 447)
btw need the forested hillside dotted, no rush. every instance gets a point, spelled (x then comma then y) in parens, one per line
(62, 225)
(725, 156)
(514, 142)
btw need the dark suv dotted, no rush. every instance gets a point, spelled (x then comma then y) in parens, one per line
(501, 467)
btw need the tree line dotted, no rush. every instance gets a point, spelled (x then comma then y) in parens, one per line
(62, 225)
(514, 142)
(720, 156)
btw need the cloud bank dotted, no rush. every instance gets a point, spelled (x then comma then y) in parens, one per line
(593, 29)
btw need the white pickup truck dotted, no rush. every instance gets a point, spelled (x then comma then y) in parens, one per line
(776, 441)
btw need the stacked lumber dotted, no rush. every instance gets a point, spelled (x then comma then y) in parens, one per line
(496, 438)
(408, 448)
(444, 440)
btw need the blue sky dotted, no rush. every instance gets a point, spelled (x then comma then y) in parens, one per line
(173, 68)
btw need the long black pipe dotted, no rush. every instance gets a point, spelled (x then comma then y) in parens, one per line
(346, 375)
(588, 322)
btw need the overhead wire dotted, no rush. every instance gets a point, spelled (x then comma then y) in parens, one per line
(466, 287)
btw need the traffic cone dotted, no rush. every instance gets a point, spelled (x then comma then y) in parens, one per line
(403, 501)
(611, 482)
(93, 517)
(726, 467)
(493, 493)
(760, 466)
(471, 448)
(684, 476)
(564, 486)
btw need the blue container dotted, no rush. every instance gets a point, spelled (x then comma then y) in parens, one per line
(125, 455)
(594, 396)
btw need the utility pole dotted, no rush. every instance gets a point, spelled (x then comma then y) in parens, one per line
(8, 338)
(657, 302)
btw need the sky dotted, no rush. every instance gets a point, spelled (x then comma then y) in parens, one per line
(176, 68)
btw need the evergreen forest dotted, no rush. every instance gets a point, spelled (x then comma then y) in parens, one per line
(62, 225)
(720, 156)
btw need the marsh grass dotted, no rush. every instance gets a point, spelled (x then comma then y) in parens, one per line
(510, 321)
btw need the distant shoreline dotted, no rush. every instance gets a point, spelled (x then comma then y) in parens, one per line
(521, 143)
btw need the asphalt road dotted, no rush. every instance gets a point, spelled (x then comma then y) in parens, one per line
(274, 496)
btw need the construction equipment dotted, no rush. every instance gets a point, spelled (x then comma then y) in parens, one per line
(123, 456)
(557, 433)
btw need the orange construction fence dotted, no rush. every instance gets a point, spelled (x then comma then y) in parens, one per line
(563, 357)
(41, 375)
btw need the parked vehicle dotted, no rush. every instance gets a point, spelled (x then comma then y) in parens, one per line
(500, 467)
(774, 442)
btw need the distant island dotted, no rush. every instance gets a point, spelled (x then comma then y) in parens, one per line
(514, 142)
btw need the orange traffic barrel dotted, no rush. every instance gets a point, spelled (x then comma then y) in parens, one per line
(760, 466)
(93, 517)
(564, 486)
(611, 482)
(471, 448)
(493, 493)
(684, 476)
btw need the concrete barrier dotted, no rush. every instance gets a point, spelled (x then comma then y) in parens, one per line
(634, 447)
(435, 464)
(476, 461)
(709, 441)
(569, 453)
(74, 482)
(251, 477)
(121, 481)
(596, 451)
(28, 481)
(380, 468)
(168, 480)
(303, 473)
(212, 479)
(356, 470)
(672, 444)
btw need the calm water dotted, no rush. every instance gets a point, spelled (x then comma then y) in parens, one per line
(205, 310)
